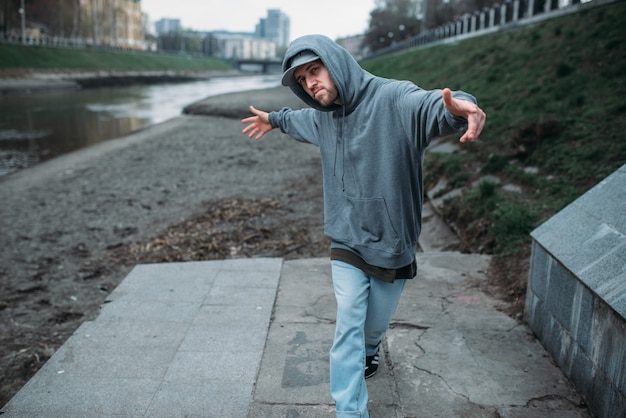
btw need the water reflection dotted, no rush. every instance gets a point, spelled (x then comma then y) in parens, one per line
(35, 128)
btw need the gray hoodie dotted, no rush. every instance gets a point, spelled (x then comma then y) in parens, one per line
(372, 149)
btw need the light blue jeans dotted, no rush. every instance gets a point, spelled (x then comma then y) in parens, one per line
(365, 306)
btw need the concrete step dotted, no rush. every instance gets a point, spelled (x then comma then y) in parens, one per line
(179, 339)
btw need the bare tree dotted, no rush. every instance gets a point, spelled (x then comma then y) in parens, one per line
(9, 17)
(76, 20)
(96, 19)
(393, 21)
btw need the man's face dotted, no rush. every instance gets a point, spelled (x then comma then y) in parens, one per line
(315, 80)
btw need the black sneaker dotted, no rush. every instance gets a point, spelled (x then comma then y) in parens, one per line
(371, 365)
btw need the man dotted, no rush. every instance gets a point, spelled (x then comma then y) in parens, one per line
(372, 133)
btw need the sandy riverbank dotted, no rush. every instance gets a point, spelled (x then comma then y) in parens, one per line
(27, 82)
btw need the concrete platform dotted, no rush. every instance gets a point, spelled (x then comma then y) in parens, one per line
(250, 338)
(180, 339)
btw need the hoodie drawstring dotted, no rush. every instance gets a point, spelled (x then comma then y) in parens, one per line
(340, 142)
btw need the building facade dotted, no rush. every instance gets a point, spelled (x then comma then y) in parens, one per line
(164, 26)
(239, 46)
(114, 23)
(117, 23)
(275, 27)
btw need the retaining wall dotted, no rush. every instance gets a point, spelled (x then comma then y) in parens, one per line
(576, 298)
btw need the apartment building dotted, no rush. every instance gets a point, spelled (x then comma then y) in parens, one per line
(267, 42)
(239, 46)
(118, 23)
(275, 27)
(115, 23)
(165, 26)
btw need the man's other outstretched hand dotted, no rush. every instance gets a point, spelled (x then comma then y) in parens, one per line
(467, 110)
(258, 125)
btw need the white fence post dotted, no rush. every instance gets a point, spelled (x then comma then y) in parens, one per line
(468, 23)
(531, 8)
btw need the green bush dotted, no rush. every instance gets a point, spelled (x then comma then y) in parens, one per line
(512, 224)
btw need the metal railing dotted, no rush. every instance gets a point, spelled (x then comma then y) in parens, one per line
(508, 15)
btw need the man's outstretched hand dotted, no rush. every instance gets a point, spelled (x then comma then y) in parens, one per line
(467, 110)
(258, 125)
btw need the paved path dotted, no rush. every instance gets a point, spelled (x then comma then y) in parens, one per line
(174, 339)
(250, 338)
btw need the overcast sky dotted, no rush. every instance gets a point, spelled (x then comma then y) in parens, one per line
(333, 18)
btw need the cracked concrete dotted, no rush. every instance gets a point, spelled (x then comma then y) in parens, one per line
(471, 360)
(448, 353)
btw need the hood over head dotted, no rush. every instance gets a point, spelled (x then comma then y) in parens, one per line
(301, 58)
(345, 71)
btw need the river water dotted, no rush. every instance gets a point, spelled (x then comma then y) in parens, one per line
(37, 127)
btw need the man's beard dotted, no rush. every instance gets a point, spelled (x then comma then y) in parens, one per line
(329, 98)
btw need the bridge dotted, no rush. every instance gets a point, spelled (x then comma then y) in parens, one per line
(266, 66)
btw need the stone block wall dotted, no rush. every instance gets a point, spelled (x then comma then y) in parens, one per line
(576, 297)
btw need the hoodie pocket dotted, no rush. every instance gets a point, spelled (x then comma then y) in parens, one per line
(366, 222)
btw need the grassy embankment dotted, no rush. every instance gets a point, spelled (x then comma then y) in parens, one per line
(555, 95)
(19, 58)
